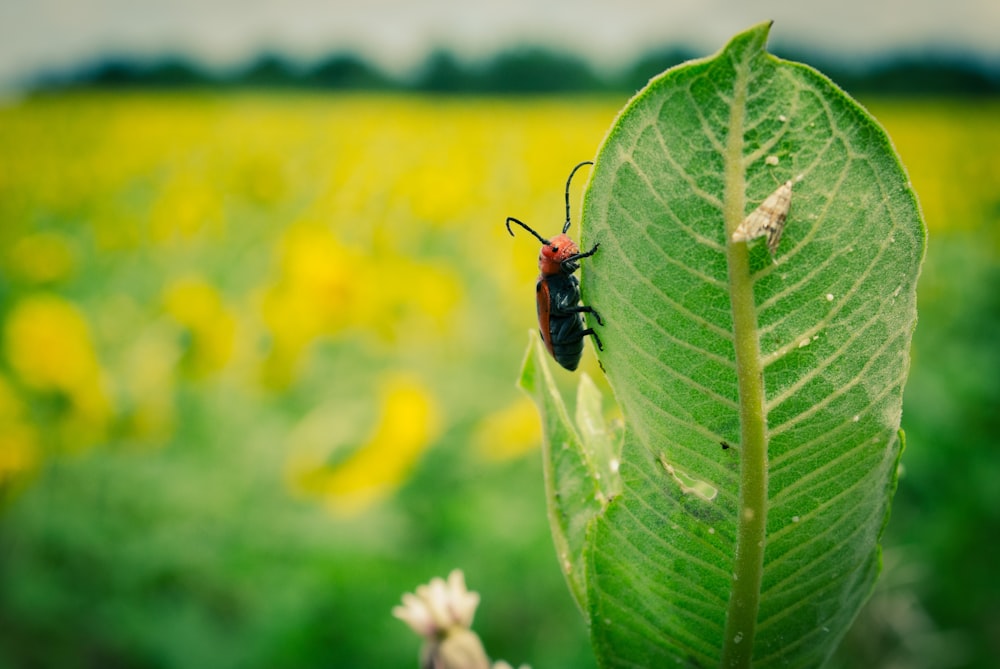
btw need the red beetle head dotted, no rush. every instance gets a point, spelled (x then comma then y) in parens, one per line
(552, 254)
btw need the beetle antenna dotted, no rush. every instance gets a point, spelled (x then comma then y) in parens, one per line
(568, 181)
(538, 236)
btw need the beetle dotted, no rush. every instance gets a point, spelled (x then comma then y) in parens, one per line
(557, 292)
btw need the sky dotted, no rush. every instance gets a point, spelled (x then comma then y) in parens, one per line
(397, 35)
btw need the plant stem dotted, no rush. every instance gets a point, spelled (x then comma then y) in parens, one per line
(748, 568)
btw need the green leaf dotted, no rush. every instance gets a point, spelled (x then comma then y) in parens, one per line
(765, 550)
(581, 462)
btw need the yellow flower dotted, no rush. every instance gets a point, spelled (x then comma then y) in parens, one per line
(47, 344)
(315, 293)
(510, 432)
(188, 205)
(197, 305)
(404, 298)
(18, 440)
(148, 378)
(409, 423)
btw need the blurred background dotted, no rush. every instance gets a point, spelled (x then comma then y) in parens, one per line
(260, 321)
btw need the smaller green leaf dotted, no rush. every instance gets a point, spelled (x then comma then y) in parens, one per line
(580, 462)
(602, 445)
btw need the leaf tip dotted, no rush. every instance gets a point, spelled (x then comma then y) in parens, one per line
(529, 367)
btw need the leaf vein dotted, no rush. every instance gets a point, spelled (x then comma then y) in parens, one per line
(677, 552)
(777, 463)
(685, 174)
(706, 128)
(696, 236)
(820, 366)
(811, 566)
(684, 311)
(653, 631)
(653, 246)
(822, 404)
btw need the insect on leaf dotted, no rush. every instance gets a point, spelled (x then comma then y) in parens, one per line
(768, 219)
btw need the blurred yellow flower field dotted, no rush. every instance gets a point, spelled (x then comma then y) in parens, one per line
(162, 240)
(151, 240)
(248, 321)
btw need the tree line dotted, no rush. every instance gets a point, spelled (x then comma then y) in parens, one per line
(524, 71)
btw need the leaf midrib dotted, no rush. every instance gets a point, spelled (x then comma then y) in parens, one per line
(751, 520)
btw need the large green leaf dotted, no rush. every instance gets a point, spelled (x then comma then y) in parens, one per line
(761, 394)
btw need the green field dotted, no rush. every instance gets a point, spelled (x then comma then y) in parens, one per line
(257, 362)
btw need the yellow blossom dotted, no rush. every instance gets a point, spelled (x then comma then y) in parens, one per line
(18, 439)
(509, 432)
(408, 424)
(149, 380)
(197, 305)
(186, 207)
(48, 345)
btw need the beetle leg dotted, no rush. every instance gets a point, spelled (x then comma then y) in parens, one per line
(597, 340)
(586, 309)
